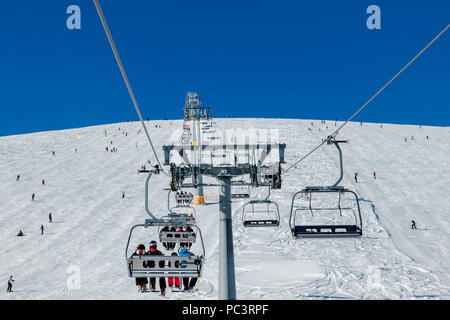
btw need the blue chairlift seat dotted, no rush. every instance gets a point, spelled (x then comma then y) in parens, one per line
(261, 223)
(319, 231)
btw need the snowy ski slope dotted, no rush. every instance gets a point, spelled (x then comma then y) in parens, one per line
(91, 221)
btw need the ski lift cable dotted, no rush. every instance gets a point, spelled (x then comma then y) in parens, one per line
(125, 78)
(335, 133)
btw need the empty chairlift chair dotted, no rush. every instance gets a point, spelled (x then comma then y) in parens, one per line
(240, 192)
(337, 220)
(261, 213)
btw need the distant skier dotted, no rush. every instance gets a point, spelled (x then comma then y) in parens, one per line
(50, 218)
(356, 177)
(123, 194)
(427, 137)
(76, 149)
(43, 181)
(53, 153)
(42, 229)
(413, 225)
(406, 139)
(106, 148)
(157, 168)
(32, 196)
(10, 281)
(374, 175)
(18, 177)
(20, 234)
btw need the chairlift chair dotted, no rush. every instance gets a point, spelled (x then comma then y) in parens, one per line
(266, 211)
(240, 192)
(301, 230)
(164, 265)
(319, 230)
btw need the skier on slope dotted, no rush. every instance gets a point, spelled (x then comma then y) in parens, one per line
(187, 284)
(10, 281)
(20, 234)
(32, 196)
(42, 229)
(374, 175)
(356, 177)
(50, 220)
(18, 177)
(162, 281)
(413, 225)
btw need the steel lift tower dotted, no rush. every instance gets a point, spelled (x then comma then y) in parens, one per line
(261, 163)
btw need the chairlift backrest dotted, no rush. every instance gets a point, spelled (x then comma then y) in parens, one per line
(165, 266)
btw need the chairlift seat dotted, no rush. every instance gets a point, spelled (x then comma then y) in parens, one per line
(310, 231)
(261, 223)
(240, 195)
(271, 214)
(150, 266)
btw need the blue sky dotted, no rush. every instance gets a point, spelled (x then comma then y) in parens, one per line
(281, 59)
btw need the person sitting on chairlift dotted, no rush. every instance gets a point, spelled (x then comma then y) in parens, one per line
(188, 284)
(171, 280)
(141, 282)
(162, 281)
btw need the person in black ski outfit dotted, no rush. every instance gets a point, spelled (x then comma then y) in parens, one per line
(162, 281)
(413, 225)
(20, 234)
(50, 220)
(42, 229)
(141, 282)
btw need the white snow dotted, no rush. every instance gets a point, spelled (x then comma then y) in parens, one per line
(91, 221)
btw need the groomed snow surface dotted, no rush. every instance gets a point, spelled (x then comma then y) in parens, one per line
(91, 221)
